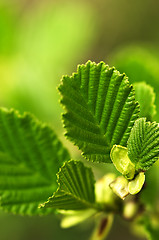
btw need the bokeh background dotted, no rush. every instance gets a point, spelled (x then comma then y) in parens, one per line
(40, 40)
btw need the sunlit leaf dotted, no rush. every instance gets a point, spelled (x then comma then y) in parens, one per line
(100, 109)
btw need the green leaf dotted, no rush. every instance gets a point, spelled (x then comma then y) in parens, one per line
(76, 188)
(145, 95)
(30, 156)
(143, 144)
(100, 109)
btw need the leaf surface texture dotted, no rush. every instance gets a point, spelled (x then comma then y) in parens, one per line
(76, 188)
(143, 144)
(30, 156)
(100, 109)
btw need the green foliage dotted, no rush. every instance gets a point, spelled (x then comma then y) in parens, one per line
(76, 188)
(30, 156)
(100, 113)
(100, 109)
(143, 144)
(145, 95)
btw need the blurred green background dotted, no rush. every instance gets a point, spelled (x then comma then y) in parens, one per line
(40, 40)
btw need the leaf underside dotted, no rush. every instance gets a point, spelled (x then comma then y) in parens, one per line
(76, 188)
(30, 156)
(143, 144)
(100, 109)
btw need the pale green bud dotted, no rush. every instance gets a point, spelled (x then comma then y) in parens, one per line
(119, 156)
(102, 190)
(136, 185)
(130, 210)
(120, 187)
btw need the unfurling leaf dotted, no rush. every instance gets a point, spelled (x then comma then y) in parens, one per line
(76, 188)
(100, 109)
(122, 187)
(119, 157)
(136, 184)
(30, 156)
